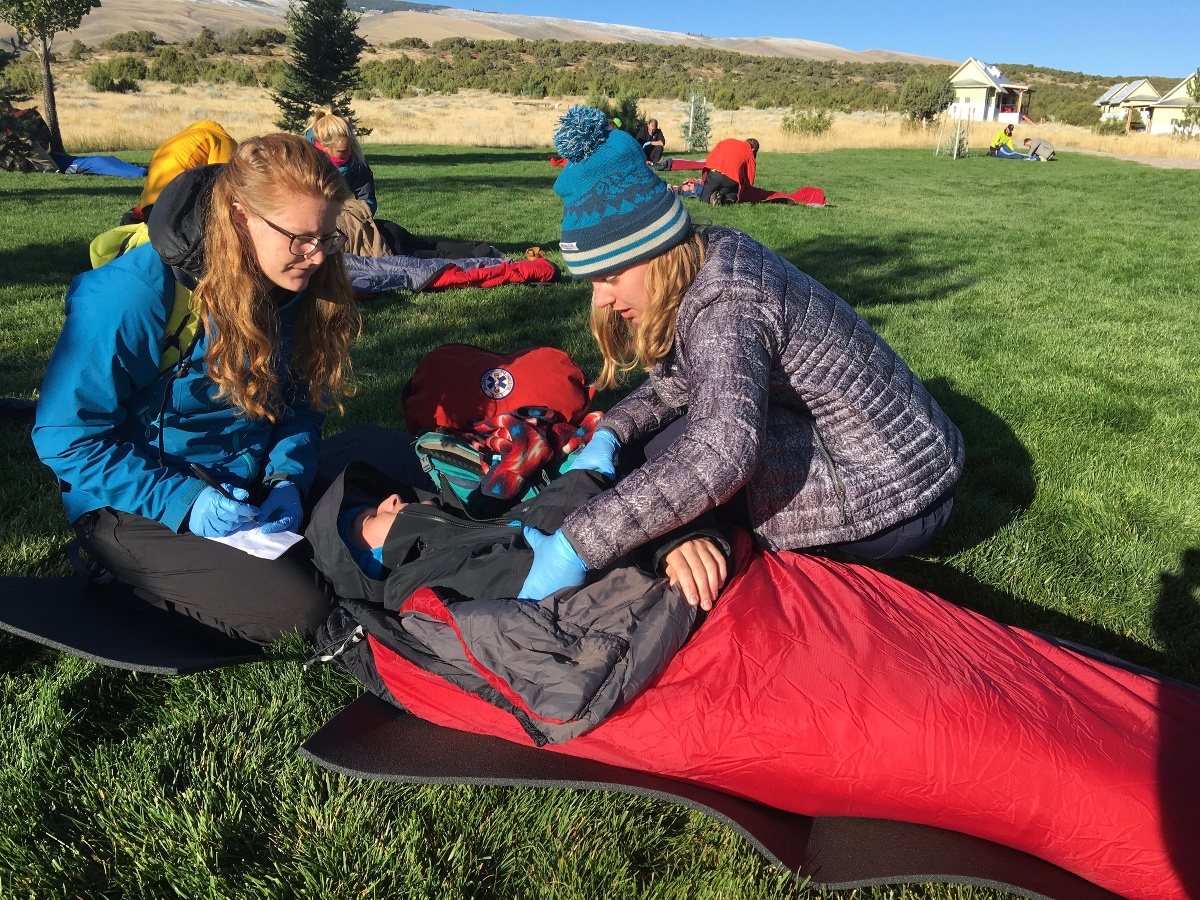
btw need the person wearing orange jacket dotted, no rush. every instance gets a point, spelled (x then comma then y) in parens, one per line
(728, 169)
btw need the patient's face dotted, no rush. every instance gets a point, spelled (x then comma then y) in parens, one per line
(371, 527)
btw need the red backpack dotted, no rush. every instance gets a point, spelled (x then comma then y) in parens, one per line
(456, 385)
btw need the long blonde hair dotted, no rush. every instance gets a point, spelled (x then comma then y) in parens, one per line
(625, 346)
(234, 296)
(327, 127)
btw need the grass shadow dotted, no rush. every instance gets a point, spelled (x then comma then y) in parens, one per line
(869, 273)
(997, 483)
(1177, 626)
(44, 263)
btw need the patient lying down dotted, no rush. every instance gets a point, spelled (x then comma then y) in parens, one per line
(694, 561)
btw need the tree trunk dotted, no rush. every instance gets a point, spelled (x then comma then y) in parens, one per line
(56, 144)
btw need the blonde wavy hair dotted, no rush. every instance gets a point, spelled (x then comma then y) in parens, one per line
(328, 127)
(234, 298)
(624, 345)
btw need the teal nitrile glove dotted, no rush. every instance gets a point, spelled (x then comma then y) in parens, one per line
(556, 565)
(283, 510)
(600, 454)
(215, 515)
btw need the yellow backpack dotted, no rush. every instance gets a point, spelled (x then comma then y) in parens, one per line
(181, 322)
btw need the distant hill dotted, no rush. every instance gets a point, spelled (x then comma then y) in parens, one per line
(388, 20)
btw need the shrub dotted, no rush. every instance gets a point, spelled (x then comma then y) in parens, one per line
(128, 68)
(414, 43)
(206, 43)
(175, 67)
(228, 70)
(78, 48)
(103, 77)
(273, 74)
(725, 98)
(24, 78)
(267, 37)
(811, 123)
(132, 42)
(1109, 126)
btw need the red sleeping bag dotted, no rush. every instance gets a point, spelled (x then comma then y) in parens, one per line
(521, 271)
(805, 196)
(830, 689)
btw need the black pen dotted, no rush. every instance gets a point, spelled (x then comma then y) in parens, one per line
(203, 475)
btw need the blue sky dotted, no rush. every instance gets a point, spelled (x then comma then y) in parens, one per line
(1099, 37)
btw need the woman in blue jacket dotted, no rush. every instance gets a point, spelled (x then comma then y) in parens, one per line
(170, 423)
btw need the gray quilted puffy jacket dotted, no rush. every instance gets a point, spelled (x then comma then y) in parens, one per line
(788, 392)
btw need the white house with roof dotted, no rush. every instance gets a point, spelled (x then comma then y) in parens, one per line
(983, 94)
(1166, 113)
(1130, 101)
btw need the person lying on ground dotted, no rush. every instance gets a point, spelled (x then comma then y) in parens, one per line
(727, 170)
(652, 140)
(334, 136)
(1039, 149)
(791, 412)
(408, 540)
(185, 396)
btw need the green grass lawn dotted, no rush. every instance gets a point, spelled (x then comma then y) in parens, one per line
(1050, 309)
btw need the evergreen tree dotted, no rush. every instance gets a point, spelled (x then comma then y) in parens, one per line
(36, 23)
(323, 70)
(696, 129)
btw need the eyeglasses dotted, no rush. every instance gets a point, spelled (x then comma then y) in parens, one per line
(308, 244)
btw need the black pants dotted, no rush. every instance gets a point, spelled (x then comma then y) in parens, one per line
(214, 585)
(653, 153)
(717, 183)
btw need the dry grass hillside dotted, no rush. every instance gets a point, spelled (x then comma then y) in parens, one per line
(94, 122)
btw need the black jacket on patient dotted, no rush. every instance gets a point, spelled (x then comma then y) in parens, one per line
(566, 661)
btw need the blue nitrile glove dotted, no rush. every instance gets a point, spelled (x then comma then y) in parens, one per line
(215, 515)
(600, 454)
(283, 510)
(556, 565)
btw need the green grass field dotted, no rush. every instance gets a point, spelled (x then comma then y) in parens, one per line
(1051, 310)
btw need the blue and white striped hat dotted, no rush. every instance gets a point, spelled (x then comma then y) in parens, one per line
(616, 211)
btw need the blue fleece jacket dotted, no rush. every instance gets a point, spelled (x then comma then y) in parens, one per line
(98, 414)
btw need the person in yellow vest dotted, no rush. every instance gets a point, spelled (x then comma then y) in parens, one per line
(200, 144)
(1002, 143)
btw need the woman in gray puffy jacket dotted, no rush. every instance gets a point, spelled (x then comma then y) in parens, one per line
(777, 400)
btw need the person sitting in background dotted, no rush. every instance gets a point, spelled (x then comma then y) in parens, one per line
(200, 144)
(1039, 149)
(727, 169)
(334, 136)
(652, 141)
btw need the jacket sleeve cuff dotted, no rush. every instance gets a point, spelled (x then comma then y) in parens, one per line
(704, 526)
(180, 507)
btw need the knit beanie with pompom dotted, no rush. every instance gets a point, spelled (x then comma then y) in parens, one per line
(616, 211)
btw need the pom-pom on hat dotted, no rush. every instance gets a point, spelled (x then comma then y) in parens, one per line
(616, 211)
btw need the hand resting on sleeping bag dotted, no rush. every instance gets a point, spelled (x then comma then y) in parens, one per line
(698, 569)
